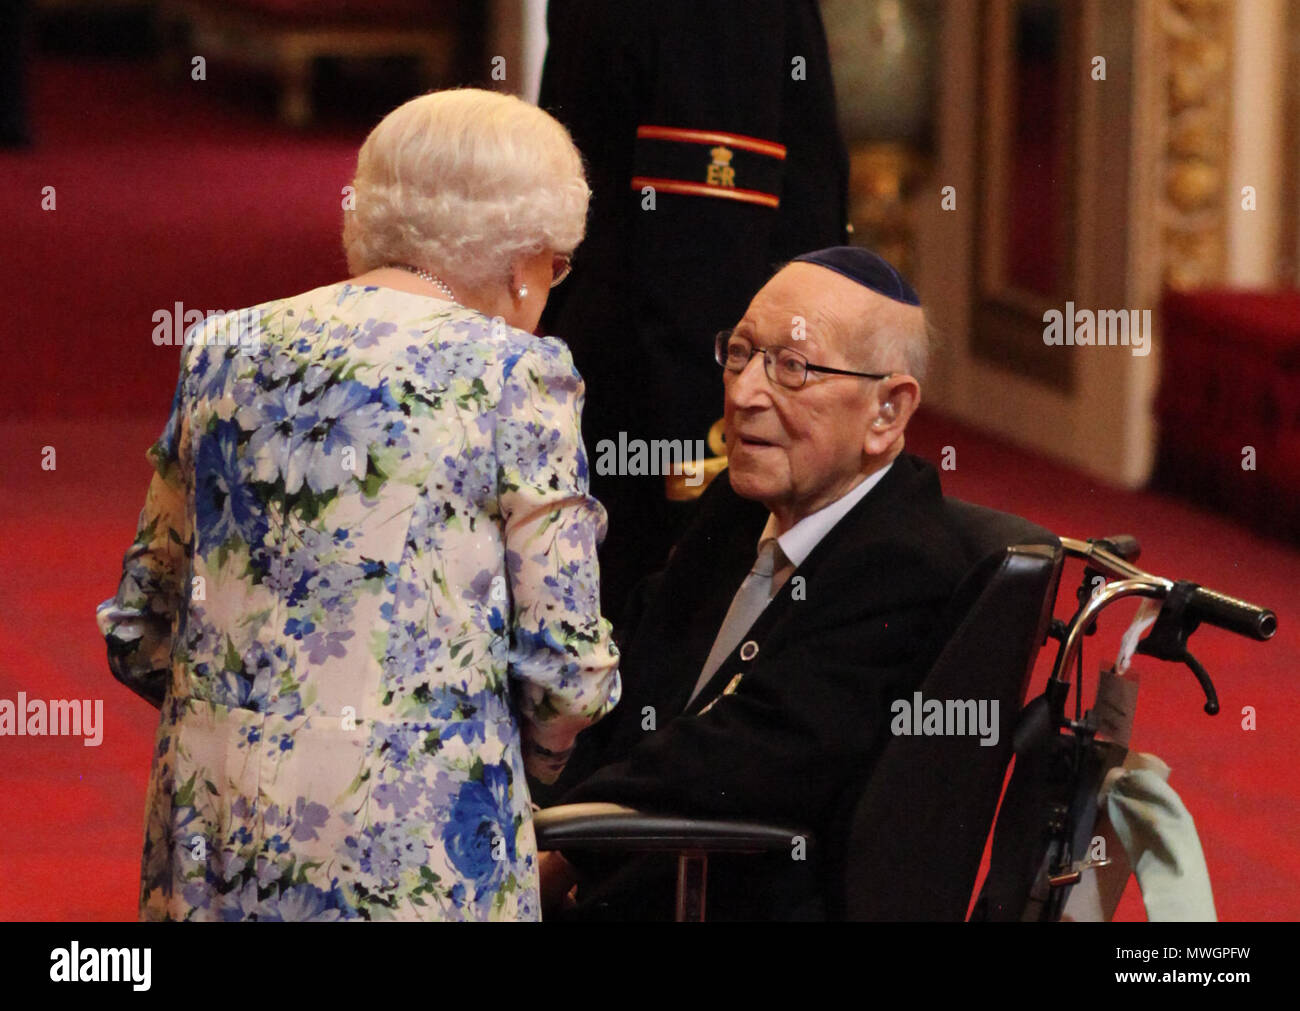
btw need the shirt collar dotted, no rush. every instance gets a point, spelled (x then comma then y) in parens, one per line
(798, 542)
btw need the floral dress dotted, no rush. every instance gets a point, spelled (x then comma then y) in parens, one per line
(364, 594)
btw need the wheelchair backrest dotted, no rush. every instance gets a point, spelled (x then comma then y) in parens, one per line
(928, 802)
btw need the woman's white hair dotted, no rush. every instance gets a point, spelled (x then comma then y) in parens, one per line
(463, 183)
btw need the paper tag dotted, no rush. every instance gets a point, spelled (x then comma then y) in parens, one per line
(1115, 707)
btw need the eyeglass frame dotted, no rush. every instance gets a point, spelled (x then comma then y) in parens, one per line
(559, 275)
(722, 337)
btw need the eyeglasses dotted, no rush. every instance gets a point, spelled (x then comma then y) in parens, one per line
(561, 264)
(784, 366)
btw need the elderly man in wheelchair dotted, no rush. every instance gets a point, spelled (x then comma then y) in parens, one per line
(823, 689)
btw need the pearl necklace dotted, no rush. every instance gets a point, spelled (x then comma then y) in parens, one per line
(424, 275)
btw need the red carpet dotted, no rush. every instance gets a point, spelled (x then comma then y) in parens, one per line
(165, 196)
(163, 193)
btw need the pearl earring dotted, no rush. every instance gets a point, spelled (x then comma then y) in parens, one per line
(523, 291)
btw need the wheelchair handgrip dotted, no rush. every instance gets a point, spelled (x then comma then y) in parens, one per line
(1234, 615)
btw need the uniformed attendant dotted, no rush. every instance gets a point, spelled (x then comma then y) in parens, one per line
(714, 156)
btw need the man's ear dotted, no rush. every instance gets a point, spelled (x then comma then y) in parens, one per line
(897, 399)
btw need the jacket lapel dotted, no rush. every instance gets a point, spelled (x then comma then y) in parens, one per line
(707, 569)
(870, 517)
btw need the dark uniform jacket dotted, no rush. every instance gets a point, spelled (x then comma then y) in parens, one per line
(725, 109)
(855, 627)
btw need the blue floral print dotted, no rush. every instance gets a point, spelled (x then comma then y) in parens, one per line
(363, 593)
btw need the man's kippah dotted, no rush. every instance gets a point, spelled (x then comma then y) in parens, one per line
(865, 267)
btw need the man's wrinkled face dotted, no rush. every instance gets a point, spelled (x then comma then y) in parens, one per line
(797, 451)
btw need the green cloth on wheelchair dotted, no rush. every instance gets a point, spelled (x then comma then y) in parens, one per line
(1161, 841)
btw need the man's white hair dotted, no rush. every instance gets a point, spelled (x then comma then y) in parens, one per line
(898, 338)
(462, 183)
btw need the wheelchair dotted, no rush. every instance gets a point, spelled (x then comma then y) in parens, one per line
(918, 859)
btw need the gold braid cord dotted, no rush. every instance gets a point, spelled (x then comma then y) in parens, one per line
(675, 485)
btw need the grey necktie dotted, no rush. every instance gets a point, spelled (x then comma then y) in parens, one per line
(760, 586)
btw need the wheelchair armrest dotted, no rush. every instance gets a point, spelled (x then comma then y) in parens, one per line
(612, 827)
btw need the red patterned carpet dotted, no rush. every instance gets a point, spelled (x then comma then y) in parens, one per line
(164, 196)
(163, 193)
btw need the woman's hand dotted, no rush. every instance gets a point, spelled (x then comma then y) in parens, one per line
(559, 883)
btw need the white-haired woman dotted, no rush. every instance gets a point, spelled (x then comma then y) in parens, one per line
(363, 592)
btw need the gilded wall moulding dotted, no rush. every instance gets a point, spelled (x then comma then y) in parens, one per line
(1196, 42)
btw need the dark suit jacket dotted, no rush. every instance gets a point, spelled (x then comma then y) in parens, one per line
(855, 627)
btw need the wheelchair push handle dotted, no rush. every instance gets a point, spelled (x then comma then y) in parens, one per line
(1185, 605)
(1232, 614)
(1114, 557)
